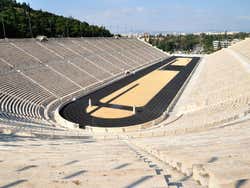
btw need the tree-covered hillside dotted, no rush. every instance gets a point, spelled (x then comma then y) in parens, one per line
(20, 21)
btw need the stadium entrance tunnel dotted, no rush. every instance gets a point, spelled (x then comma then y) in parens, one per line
(136, 99)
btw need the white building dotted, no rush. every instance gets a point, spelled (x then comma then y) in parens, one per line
(221, 44)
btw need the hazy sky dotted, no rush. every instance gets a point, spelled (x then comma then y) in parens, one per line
(155, 15)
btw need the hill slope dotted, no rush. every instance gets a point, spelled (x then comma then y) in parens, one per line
(21, 21)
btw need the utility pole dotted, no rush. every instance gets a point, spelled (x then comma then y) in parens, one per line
(117, 29)
(30, 28)
(31, 33)
(50, 24)
(4, 32)
(102, 35)
(92, 29)
(80, 29)
(67, 28)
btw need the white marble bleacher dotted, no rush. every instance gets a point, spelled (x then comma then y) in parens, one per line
(102, 55)
(59, 86)
(35, 50)
(243, 48)
(122, 52)
(215, 158)
(36, 73)
(207, 134)
(22, 97)
(14, 57)
(206, 143)
(139, 50)
(112, 54)
(82, 162)
(74, 73)
(222, 78)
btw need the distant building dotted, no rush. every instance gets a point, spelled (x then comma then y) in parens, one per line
(221, 44)
(216, 44)
(225, 43)
(146, 37)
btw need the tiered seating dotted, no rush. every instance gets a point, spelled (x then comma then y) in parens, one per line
(92, 56)
(97, 46)
(55, 83)
(209, 117)
(34, 74)
(218, 93)
(207, 134)
(53, 45)
(34, 49)
(215, 158)
(221, 79)
(111, 57)
(129, 52)
(139, 50)
(15, 57)
(91, 68)
(209, 142)
(4, 67)
(71, 54)
(83, 162)
(115, 61)
(134, 52)
(157, 53)
(22, 98)
(74, 73)
(122, 53)
(104, 64)
(242, 48)
(89, 45)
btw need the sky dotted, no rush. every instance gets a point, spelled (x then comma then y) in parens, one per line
(124, 16)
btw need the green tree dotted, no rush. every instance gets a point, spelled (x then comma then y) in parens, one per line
(21, 21)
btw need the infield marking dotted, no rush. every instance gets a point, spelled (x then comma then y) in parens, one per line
(137, 93)
(110, 113)
(182, 61)
(146, 88)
